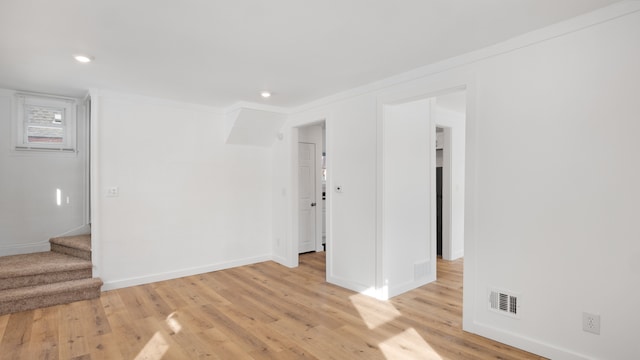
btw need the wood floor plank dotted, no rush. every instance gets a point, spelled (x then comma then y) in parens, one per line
(44, 334)
(133, 299)
(170, 295)
(291, 299)
(194, 341)
(153, 301)
(224, 348)
(103, 347)
(99, 324)
(294, 352)
(194, 293)
(128, 336)
(17, 336)
(74, 319)
(111, 302)
(259, 311)
(233, 330)
(4, 319)
(322, 343)
(161, 343)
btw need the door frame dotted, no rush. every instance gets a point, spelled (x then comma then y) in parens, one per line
(295, 221)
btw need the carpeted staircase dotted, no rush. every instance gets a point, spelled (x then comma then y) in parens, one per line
(60, 276)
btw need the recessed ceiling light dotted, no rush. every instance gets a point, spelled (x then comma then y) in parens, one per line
(265, 94)
(83, 58)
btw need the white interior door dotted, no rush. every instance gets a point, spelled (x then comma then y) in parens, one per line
(306, 197)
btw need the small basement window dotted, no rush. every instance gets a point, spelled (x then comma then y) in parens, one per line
(45, 123)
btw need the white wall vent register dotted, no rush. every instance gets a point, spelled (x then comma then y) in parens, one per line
(504, 302)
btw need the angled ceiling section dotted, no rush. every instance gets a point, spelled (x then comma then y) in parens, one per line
(246, 125)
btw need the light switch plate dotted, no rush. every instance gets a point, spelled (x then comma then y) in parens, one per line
(113, 191)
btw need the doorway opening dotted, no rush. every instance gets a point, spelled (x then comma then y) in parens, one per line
(449, 116)
(312, 179)
(439, 156)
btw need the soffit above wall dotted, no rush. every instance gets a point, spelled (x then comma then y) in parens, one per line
(256, 127)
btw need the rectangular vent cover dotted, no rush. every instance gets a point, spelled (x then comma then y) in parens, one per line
(504, 302)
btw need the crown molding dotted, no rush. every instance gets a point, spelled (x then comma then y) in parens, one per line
(562, 28)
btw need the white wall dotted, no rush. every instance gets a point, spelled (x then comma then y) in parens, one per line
(408, 168)
(551, 181)
(29, 213)
(283, 247)
(557, 172)
(188, 203)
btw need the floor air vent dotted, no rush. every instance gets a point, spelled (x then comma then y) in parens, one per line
(504, 302)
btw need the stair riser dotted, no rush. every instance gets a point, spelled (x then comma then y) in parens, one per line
(82, 254)
(60, 276)
(48, 300)
(41, 279)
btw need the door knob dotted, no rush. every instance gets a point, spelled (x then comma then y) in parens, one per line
(313, 204)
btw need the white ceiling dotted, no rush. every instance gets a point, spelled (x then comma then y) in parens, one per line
(218, 52)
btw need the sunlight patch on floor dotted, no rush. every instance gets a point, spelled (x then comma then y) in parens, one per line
(173, 322)
(154, 349)
(374, 312)
(408, 345)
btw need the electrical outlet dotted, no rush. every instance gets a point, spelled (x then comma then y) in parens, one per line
(113, 191)
(591, 323)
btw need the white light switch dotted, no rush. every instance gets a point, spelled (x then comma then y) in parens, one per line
(113, 191)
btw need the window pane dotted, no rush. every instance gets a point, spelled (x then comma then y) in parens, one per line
(44, 124)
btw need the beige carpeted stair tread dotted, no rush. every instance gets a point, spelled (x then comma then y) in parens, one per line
(81, 242)
(39, 263)
(34, 297)
(48, 289)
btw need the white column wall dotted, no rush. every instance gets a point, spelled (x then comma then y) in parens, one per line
(351, 165)
(408, 179)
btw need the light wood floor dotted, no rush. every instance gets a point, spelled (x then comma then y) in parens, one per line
(262, 311)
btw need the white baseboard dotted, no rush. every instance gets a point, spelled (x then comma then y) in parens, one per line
(458, 254)
(146, 279)
(403, 288)
(80, 230)
(353, 286)
(525, 343)
(24, 248)
(282, 261)
(380, 294)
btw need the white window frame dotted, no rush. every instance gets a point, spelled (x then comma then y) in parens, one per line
(20, 140)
